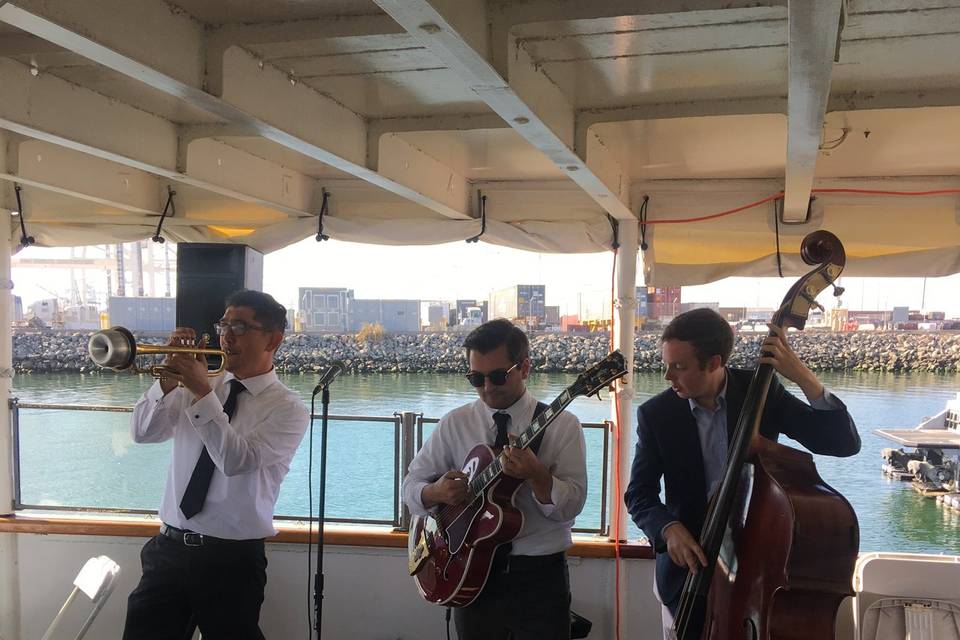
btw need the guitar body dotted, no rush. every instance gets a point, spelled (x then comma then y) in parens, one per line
(452, 552)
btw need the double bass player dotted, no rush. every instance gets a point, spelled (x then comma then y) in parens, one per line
(683, 434)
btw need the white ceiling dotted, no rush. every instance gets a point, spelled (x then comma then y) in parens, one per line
(426, 102)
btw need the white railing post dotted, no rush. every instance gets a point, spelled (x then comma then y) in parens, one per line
(624, 319)
(9, 579)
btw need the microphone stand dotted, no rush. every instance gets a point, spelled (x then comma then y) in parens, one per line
(318, 577)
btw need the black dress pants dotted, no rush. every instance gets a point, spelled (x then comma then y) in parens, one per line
(525, 598)
(217, 587)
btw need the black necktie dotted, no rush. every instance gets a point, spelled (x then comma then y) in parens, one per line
(501, 420)
(196, 492)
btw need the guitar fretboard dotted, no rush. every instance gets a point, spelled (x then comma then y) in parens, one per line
(483, 479)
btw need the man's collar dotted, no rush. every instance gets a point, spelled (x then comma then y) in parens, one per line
(721, 398)
(254, 385)
(517, 410)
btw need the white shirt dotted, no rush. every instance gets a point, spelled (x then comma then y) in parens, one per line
(546, 527)
(252, 453)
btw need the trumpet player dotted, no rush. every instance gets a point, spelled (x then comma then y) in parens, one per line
(234, 436)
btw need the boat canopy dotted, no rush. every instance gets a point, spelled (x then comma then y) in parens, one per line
(722, 131)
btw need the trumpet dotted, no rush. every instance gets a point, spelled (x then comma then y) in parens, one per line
(116, 349)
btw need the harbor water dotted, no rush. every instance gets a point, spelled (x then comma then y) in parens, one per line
(86, 459)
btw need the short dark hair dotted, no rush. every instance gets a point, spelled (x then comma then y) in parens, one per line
(266, 310)
(491, 335)
(706, 330)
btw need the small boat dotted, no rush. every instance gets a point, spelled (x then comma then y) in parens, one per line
(933, 462)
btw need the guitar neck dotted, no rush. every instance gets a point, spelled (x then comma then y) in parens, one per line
(523, 441)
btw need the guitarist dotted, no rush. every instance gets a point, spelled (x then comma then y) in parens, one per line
(683, 435)
(527, 593)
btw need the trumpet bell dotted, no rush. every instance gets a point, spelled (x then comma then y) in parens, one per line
(113, 348)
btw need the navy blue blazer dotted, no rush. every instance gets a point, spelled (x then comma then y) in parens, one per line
(668, 446)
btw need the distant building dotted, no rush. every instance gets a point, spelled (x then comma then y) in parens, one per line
(474, 317)
(522, 303)
(758, 314)
(16, 310)
(733, 314)
(395, 316)
(551, 316)
(642, 310)
(155, 315)
(662, 303)
(690, 306)
(464, 310)
(325, 309)
(900, 315)
(82, 317)
(438, 315)
(47, 311)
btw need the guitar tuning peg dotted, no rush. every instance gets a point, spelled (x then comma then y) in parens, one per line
(838, 291)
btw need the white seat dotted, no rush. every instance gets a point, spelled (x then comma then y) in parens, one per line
(904, 596)
(96, 580)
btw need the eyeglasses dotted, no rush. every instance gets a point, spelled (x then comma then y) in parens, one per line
(497, 376)
(236, 328)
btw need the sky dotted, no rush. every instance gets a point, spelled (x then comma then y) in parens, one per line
(577, 283)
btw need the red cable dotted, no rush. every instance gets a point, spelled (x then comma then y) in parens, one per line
(777, 196)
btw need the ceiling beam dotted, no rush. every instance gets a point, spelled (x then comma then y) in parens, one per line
(255, 94)
(376, 129)
(506, 14)
(24, 44)
(107, 129)
(529, 102)
(225, 36)
(814, 28)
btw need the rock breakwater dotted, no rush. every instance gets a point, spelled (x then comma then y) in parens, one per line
(442, 353)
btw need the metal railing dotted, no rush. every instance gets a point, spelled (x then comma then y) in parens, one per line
(408, 439)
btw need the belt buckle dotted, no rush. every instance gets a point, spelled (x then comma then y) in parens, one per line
(192, 539)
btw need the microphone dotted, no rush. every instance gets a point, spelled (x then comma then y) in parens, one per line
(336, 368)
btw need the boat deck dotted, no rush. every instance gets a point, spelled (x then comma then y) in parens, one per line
(923, 438)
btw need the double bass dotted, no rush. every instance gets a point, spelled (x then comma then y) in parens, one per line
(780, 543)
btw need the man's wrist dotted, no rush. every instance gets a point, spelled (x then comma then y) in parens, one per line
(542, 485)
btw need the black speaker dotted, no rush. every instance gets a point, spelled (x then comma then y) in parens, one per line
(207, 273)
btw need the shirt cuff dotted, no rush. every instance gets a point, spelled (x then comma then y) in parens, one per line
(203, 410)
(155, 392)
(667, 526)
(827, 402)
(557, 495)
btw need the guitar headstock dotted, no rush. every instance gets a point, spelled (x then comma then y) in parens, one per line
(600, 375)
(820, 248)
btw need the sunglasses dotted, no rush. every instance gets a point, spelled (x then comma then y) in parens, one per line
(497, 377)
(236, 328)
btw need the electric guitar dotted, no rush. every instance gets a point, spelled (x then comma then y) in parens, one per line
(452, 551)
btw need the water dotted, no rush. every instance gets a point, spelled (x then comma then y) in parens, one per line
(87, 459)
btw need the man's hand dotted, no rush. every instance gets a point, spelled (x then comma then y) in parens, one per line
(683, 548)
(450, 488)
(524, 465)
(190, 370)
(776, 352)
